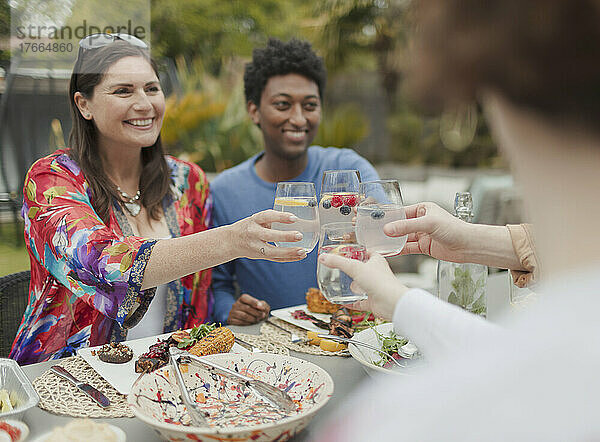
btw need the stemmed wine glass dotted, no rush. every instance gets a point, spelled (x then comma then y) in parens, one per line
(381, 203)
(335, 285)
(339, 195)
(300, 199)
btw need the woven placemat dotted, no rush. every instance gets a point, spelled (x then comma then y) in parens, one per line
(264, 344)
(279, 336)
(59, 396)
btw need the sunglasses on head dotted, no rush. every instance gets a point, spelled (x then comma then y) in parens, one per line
(95, 41)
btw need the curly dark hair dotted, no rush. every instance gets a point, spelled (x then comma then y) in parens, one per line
(279, 58)
(541, 54)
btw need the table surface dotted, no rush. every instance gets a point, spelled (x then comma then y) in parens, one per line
(346, 373)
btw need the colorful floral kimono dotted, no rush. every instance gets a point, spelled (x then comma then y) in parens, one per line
(86, 275)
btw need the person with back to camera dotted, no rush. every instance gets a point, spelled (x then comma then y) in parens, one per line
(284, 86)
(116, 230)
(534, 66)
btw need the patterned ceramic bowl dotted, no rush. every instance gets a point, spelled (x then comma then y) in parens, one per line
(233, 410)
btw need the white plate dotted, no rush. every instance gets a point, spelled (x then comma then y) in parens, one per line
(120, 434)
(366, 356)
(17, 424)
(122, 376)
(285, 314)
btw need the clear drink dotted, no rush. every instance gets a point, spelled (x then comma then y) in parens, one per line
(337, 207)
(370, 220)
(300, 199)
(308, 220)
(381, 203)
(335, 284)
(339, 238)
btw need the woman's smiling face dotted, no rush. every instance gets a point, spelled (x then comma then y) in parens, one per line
(289, 115)
(127, 106)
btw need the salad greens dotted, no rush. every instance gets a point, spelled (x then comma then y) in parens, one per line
(390, 345)
(196, 334)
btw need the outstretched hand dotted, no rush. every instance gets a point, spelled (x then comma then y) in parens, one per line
(432, 231)
(253, 235)
(375, 277)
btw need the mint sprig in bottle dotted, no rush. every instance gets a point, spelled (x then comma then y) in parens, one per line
(463, 284)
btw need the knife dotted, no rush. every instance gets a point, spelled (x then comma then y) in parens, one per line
(92, 392)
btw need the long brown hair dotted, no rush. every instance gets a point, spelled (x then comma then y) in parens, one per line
(83, 139)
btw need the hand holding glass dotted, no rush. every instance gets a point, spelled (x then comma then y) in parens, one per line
(335, 285)
(301, 200)
(381, 203)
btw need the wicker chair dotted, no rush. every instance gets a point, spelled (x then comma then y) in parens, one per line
(14, 295)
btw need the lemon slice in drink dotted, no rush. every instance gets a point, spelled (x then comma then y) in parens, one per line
(289, 202)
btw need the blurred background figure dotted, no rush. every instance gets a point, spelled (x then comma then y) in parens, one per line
(534, 65)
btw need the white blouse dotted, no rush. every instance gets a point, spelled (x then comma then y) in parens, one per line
(535, 380)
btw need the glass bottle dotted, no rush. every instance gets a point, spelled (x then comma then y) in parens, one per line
(465, 284)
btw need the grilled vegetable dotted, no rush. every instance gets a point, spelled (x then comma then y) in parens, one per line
(194, 335)
(220, 340)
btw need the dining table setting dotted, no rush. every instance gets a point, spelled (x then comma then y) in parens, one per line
(285, 351)
(346, 374)
(283, 378)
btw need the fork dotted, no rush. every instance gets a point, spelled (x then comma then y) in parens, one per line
(293, 336)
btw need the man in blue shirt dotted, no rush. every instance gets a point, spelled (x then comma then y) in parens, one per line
(284, 85)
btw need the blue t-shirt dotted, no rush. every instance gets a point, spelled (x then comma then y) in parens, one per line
(238, 193)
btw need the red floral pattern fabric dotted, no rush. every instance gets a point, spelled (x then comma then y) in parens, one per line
(86, 275)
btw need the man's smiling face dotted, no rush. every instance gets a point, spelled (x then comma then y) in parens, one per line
(288, 115)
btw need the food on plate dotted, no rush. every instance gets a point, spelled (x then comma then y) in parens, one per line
(157, 356)
(340, 324)
(313, 337)
(14, 433)
(7, 400)
(82, 429)
(325, 344)
(202, 340)
(187, 339)
(302, 315)
(316, 302)
(220, 340)
(391, 345)
(329, 345)
(115, 353)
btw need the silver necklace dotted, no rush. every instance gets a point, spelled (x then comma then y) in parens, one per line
(131, 203)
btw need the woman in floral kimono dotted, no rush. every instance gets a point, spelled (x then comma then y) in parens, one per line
(117, 231)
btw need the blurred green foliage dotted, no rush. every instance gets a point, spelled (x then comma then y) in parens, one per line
(206, 117)
(343, 126)
(206, 122)
(373, 36)
(215, 30)
(4, 28)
